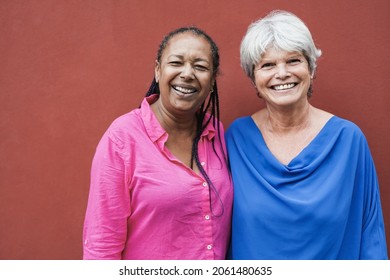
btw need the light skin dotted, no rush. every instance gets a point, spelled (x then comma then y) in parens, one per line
(185, 77)
(288, 122)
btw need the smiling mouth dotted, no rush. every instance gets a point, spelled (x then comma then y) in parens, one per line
(184, 90)
(284, 87)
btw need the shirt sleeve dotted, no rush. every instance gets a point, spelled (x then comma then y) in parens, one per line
(105, 225)
(373, 243)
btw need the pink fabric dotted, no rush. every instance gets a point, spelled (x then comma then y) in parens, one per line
(145, 204)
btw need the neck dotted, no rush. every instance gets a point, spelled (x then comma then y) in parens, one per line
(183, 124)
(287, 120)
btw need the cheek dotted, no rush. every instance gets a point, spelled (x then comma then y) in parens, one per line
(305, 73)
(259, 82)
(307, 77)
(206, 82)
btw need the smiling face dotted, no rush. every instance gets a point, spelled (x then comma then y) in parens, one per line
(184, 73)
(282, 78)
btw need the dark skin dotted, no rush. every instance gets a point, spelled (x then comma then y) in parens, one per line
(185, 79)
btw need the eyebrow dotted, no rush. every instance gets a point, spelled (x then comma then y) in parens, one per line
(265, 59)
(195, 60)
(296, 55)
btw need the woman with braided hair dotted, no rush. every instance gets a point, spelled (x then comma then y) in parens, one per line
(160, 186)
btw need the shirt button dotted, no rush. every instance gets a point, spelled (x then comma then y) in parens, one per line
(203, 163)
(204, 184)
(209, 247)
(207, 217)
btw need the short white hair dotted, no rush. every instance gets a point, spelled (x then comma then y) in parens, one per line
(279, 29)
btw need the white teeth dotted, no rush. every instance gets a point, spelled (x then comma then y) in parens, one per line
(286, 86)
(184, 90)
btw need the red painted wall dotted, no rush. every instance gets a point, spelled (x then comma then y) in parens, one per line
(68, 68)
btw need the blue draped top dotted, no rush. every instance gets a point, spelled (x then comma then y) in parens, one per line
(324, 204)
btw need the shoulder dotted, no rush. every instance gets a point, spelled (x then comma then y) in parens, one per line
(347, 132)
(345, 126)
(133, 120)
(124, 126)
(123, 122)
(239, 123)
(239, 129)
(126, 121)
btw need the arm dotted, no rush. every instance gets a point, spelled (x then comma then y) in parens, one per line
(373, 243)
(105, 226)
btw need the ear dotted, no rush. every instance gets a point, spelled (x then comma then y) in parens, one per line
(157, 71)
(312, 74)
(253, 83)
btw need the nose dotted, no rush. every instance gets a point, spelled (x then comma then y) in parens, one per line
(282, 71)
(187, 72)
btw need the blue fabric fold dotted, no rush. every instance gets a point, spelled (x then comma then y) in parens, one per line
(324, 204)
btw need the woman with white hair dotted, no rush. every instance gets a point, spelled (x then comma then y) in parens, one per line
(305, 185)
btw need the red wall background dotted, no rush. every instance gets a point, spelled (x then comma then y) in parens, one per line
(68, 68)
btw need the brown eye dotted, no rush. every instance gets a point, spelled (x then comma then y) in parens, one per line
(294, 61)
(175, 63)
(266, 65)
(201, 67)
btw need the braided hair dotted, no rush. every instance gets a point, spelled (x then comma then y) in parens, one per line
(211, 105)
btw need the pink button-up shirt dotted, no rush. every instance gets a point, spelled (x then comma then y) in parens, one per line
(146, 204)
